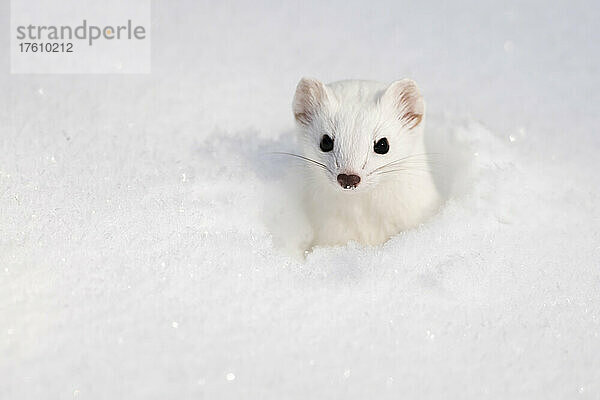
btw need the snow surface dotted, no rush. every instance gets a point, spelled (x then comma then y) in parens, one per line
(147, 237)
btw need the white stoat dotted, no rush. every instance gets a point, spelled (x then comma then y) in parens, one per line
(368, 173)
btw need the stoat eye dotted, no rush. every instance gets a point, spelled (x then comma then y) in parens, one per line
(326, 143)
(381, 146)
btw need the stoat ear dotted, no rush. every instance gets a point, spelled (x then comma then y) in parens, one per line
(310, 96)
(406, 101)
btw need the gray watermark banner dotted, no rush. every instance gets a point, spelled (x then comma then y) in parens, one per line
(80, 36)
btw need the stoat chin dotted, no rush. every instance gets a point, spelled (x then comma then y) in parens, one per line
(366, 174)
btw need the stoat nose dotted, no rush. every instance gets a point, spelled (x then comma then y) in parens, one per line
(348, 181)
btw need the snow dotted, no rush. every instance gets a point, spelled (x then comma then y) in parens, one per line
(147, 236)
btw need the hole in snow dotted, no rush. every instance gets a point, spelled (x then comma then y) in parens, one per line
(272, 194)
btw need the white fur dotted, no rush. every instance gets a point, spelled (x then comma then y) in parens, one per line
(356, 114)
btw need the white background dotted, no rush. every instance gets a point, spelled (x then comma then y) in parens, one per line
(143, 227)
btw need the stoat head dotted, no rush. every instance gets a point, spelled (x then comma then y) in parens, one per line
(361, 133)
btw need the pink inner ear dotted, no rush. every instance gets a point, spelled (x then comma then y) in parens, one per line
(407, 101)
(410, 106)
(412, 119)
(303, 118)
(309, 97)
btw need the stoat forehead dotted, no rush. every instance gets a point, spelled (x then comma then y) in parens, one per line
(355, 111)
(354, 130)
(359, 93)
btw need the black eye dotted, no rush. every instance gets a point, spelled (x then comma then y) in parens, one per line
(381, 146)
(326, 143)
